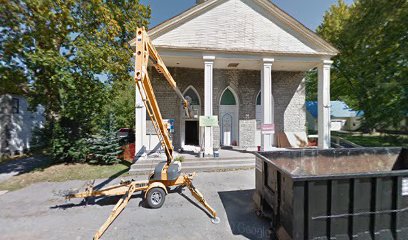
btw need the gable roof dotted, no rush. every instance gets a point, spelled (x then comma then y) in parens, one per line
(338, 109)
(239, 26)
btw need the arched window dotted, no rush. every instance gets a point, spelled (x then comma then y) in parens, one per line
(229, 117)
(259, 99)
(193, 96)
(228, 98)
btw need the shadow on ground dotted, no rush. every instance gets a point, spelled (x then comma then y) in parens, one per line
(241, 215)
(111, 178)
(230, 148)
(112, 200)
(100, 201)
(24, 165)
(190, 153)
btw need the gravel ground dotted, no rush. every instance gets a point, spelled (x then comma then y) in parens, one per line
(38, 212)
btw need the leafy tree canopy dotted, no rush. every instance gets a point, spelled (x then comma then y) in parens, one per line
(121, 106)
(64, 54)
(371, 71)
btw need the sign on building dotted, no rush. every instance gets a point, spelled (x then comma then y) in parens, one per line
(170, 124)
(208, 121)
(268, 128)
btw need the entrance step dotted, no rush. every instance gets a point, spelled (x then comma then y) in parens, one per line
(197, 165)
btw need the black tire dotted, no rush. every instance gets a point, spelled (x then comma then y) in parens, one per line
(155, 197)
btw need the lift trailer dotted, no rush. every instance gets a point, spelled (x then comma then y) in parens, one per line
(167, 174)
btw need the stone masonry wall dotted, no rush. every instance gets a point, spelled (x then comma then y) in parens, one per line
(169, 102)
(288, 90)
(245, 83)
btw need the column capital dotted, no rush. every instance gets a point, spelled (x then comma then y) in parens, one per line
(208, 58)
(268, 60)
(327, 62)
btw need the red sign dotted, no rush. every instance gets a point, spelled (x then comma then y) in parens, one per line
(268, 128)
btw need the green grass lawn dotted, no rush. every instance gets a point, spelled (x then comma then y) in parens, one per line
(65, 172)
(367, 140)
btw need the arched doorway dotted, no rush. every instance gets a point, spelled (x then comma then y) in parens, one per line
(228, 115)
(189, 128)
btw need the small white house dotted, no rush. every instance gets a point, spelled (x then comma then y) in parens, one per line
(342, 116)
(17, 124)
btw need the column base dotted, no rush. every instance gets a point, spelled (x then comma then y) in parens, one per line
(267, 149)
(267, 142)
(208, 141)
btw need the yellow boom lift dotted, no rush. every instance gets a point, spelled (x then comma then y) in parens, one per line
(167, 174)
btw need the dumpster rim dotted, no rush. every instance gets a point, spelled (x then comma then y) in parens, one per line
(390, 173)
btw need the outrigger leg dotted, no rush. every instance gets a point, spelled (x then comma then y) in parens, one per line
(126, 189)
(199, 196)
(116, 211)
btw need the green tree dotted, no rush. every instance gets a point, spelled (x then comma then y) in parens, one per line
(66, 54)
(121, 105)
(371, 71)
(311, 85)
(333, 25)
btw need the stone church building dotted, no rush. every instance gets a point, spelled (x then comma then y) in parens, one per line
(245, 62)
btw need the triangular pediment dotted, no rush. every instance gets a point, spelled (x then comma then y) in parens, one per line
(239, 26)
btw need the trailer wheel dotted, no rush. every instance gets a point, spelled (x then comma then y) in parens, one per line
(155, 197)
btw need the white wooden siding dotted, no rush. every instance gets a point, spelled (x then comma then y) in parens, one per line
(235, 25)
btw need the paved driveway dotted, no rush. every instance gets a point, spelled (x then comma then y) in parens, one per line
(37, 212)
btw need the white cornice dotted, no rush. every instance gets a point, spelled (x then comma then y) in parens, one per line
(242, 51)
(208, 58)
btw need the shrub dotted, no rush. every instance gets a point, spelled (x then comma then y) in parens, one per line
(99, 149)
(104, 149)
(67, 151)
(179, 158)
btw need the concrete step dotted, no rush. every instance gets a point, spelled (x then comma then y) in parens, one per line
(148, 163)
(208, 168)
(201, 165)
(191, 158)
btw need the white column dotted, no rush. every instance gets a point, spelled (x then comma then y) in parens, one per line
(266, 102)
(140, 126)
(208, 102)
(323, 99)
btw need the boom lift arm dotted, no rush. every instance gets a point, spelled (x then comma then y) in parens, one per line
(145, 51)
(166, 174)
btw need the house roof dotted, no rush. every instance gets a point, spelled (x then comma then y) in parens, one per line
(238, 26)
(338, 109)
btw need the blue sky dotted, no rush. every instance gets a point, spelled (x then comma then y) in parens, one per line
(308, 12)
